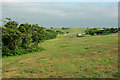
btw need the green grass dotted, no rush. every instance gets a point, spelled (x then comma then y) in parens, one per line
(66, 57)
(71, 30)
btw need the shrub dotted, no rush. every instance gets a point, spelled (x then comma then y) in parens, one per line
(65, 28)
(20, 38)
(104, 31)
(60, 32)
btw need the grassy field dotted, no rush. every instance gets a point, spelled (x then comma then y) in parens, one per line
(71, 31)
(67, 57)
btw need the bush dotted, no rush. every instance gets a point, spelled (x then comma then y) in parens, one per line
(20, 38)
(65, 28)
(60, 32)
(67, 32)
(6, 51)
(104, 31)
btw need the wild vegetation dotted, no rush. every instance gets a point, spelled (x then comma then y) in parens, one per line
(63, 57)
(23, 38)
(67, 57)
(65, 28)
(104, 31)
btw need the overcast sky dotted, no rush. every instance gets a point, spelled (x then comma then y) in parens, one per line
(63, 14)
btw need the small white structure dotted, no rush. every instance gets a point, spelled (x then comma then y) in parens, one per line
(78, 34)
(65, 35)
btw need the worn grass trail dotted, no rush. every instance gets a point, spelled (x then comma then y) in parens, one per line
(66, 57)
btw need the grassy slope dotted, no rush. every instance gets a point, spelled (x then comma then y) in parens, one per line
(71, 30)
(68, 57)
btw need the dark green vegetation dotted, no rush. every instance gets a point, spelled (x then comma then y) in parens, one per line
(65, 28)
(104, 31)
(20, 39)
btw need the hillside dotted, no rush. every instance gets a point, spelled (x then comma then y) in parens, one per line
(68, 57)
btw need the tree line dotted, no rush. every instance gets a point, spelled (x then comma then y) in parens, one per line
(23, 38)
(104, 31)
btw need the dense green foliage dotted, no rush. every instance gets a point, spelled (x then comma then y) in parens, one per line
(23, 38)
(65, 28)
(59, 32)
(104, 31)
(50, 34)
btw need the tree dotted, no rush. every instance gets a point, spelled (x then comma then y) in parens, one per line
(11, 35)
(26, 31)
(23, 38)
(38, 34)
